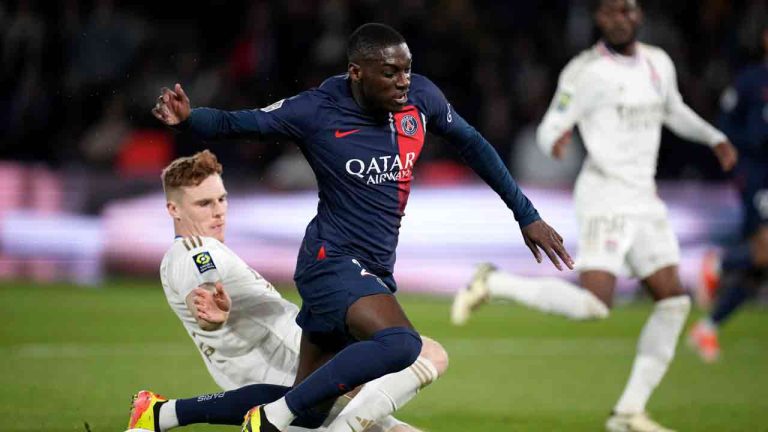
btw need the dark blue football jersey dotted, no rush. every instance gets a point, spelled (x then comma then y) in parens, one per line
(364, 163)
(745, 112)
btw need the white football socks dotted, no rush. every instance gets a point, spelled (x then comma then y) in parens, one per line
(381, 397)
(279, 414)
(655, 350)
(167, 417)
(547, 294)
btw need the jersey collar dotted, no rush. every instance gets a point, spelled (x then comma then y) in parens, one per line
(607, 52)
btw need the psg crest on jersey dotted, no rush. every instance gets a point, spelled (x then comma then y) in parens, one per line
(409, 125)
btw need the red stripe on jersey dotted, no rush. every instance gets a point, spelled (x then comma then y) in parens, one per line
(410, 140)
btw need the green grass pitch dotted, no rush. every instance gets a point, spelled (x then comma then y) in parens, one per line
(71, 355)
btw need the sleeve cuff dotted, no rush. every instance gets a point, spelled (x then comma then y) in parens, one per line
(529, 219)
(717, 138)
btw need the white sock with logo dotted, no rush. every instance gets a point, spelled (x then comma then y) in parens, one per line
(547, 294)
(655, 350)
(166, 418)
(381, 397)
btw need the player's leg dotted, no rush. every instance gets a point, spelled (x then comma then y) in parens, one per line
(386, 344)
(603, 242)
(735, 263)
(737, 285)
(317, 349)
(600, 283)
(735, 292)
(347, 299)
(743, 267)
(653, 258)
(226, 407)
(546, 294)
(655, 349)
(152, 412)
(382, 397)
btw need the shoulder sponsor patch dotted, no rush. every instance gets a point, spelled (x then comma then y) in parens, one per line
(204, 262)
(563, 100)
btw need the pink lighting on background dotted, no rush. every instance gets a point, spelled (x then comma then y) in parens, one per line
(446, 231)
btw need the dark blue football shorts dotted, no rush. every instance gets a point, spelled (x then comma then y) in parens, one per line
(328, 284)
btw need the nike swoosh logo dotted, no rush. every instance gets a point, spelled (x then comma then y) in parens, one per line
(340, 134)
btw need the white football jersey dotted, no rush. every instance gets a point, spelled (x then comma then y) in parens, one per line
(619, 104)
(259, 343)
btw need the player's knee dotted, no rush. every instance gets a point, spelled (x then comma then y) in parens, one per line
(401, 347)
(435, 353)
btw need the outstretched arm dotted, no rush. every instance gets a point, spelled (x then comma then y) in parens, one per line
(294, 117)
(483, 159)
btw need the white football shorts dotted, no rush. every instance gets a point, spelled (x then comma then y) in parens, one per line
(626, 245)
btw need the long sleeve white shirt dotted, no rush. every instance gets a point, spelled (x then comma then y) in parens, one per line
(259, 343)
(619, 104)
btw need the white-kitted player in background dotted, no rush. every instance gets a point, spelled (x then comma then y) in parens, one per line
(619, 93)
(245, 331)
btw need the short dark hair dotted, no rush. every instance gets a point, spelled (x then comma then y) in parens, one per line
(368, 40)
(594, 5)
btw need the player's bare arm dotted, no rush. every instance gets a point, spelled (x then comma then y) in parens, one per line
(726, 154)
(172, 106)
(210, 307)
(539, 235)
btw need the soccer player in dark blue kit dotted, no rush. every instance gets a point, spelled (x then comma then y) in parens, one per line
(743, 267)
(362, 134)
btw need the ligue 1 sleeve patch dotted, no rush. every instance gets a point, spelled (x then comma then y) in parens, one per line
(204, 262)
(563, 101)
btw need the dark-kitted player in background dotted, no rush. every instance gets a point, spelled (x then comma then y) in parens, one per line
(742, 268)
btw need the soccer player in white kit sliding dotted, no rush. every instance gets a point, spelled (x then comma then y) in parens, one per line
(619, 93)
(245, 331)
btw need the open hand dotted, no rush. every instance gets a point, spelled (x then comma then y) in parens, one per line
(212, 306)
(539, 235)
(172, 106)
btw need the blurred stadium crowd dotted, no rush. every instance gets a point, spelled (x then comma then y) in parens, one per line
(78, 78)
